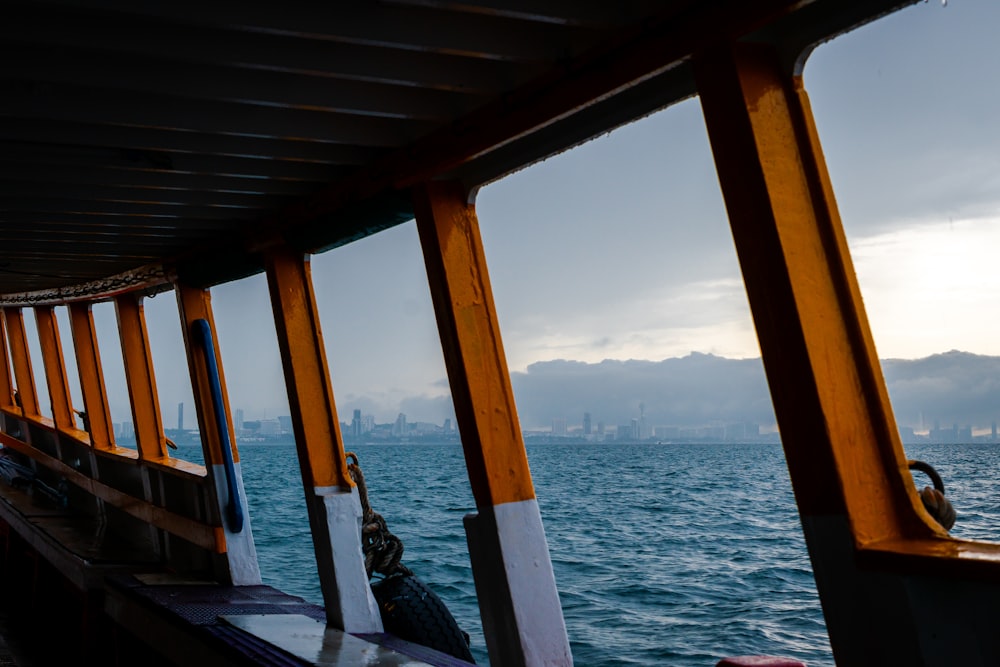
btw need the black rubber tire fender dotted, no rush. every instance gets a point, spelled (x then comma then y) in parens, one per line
(410, 610)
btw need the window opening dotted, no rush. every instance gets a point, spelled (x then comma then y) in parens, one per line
(113, 365)
(37, 363)
(69, 357)
(173, 380)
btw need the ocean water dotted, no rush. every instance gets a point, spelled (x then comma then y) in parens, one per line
(663, 554)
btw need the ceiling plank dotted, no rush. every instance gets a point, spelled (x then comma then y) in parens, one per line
(116, 223)
(20, 61)
(261, 51)
(34, 130)
(63, 192)
(152, 209)
(177, 163)
(413, 29)
(57, 102)
(589, 13)
(22, 172)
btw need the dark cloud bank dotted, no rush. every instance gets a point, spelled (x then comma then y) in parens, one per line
(950, 388)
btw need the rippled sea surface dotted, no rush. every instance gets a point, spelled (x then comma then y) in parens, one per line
(663, 554)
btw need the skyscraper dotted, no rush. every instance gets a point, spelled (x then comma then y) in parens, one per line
(399, 427)
(180, 416)
(586, 423)
(356, 424)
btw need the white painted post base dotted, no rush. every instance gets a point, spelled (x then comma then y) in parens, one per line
(350, 604)
(241, 554)
(518, 601)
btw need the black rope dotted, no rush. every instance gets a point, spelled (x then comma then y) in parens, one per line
(383, 551)
(926, 468)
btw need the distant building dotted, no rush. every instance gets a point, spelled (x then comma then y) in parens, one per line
(269, 427)
(239, 419)
(285, 422)
(180, 416)
(356, 424)
(586, 423)
(559, 427)
(423, 428)
(399, 428)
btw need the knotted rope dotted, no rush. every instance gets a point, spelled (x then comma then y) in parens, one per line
(382, 549)
(940, 509)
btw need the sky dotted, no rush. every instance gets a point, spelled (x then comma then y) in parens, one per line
(620, 248)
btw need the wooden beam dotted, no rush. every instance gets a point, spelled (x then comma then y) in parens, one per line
(27, 397)
(55, 368)
(522, 617)
(191, 530)
(88, 362)
(242, 568)
(855, 495)
(139, 375)
(6, 378)
(331, 496)
(830, 399)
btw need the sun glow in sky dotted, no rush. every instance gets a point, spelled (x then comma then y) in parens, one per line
(940, 288)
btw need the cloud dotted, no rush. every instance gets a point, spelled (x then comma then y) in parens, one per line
(907, 118)
(691, 390)
(698, 389)
(931, 287)
(950, 388)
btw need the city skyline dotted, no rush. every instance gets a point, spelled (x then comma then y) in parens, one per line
(955, 394)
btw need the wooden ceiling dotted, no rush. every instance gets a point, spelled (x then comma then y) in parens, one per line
(194, 134)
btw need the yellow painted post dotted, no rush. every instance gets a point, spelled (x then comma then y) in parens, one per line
(6, 379)
(840, 439)
(522, 618)
(830, 398)
(331, 496)
(242, 568)
(27, 397)
(88, 363)
(55, 368)
(139, 375)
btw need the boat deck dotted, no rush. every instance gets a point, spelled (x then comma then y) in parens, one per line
(188, 620)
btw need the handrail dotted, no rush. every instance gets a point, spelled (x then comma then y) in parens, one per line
(234, 506)
(191, 530)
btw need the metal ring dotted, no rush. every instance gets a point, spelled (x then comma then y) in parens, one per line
(926, 468)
